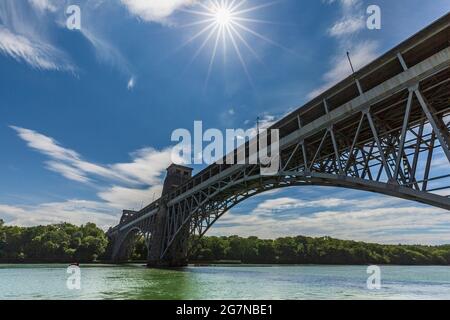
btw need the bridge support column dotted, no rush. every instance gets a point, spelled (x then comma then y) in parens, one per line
(177, 255)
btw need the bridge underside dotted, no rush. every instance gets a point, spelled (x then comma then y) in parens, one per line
(385, 130)
(190, 220)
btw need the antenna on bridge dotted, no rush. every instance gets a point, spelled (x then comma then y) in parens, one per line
(257, 125)
(257, 133)
(354, 75)
(350, 61)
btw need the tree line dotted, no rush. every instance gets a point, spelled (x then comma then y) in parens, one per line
(62, 242)
(65, 242)
(324, 250)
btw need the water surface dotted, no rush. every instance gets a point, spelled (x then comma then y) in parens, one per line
(223, 282)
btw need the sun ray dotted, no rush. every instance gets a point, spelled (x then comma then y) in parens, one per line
(197, 35)
(213, 56)
(200, 13)
(246, 44)
(199, 50)
(238, 52)
(224, 44)
(196, 23)
(207, 8)
(256, 34)
(227, 22)
(238, 5)
(255, 21)
(261, 6)
(227, 4)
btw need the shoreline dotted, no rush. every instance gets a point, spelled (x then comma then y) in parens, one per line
(217, 264)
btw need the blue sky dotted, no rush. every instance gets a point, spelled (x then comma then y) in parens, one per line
(86, 115)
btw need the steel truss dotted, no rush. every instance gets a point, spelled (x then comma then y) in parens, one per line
(385, 159)
(385, 139)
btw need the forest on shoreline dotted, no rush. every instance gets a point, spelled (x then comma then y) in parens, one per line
(65, 242)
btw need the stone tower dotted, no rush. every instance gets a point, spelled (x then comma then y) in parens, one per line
(176, 176)
(177, 255)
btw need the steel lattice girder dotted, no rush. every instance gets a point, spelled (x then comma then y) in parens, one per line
(380, 166)
(376, 131)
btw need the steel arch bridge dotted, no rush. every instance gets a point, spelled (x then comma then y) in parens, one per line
(379, 130)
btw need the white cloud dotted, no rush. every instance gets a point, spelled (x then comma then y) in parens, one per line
(105, 51)
(155, 10)
(147, 166)
(374, 219)
(24, 34)
(346, 26)
(352, 19)
(361, 54)
(131, 83)
(68, 171)
(289, 203)
(22, 38)
(73, 211)
(43, 5)
(123, 185)
(39, 55)
(70, 164)
(284, 204)
(344, 30)
(345, 3)
(266, 121)
(122, 197)
(96, 29)
(45, 145)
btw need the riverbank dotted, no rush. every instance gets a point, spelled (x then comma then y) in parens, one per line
(204, 264)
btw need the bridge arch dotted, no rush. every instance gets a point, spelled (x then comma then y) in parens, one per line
(124, 243)
(212, 208)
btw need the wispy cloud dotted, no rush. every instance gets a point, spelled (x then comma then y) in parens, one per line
(361, 54)
(105, 51)
(372, 218)
(44, 5)
(346, 26)
(155, 10)
(95, 28)
(352, 19)
(73, 211)
(68, 171)
(119, 197)
(25, 37)
(21, 39)
(122, 185)
(63, 160)
(287, 203)
(131, 83)
(45, 145)
(344, 31)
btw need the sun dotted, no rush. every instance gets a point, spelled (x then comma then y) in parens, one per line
(223, 16)
(227, 23)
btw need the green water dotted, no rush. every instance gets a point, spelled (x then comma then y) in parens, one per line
(223, 282)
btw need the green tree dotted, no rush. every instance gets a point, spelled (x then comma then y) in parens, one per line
(65, 242)
(2, 239)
